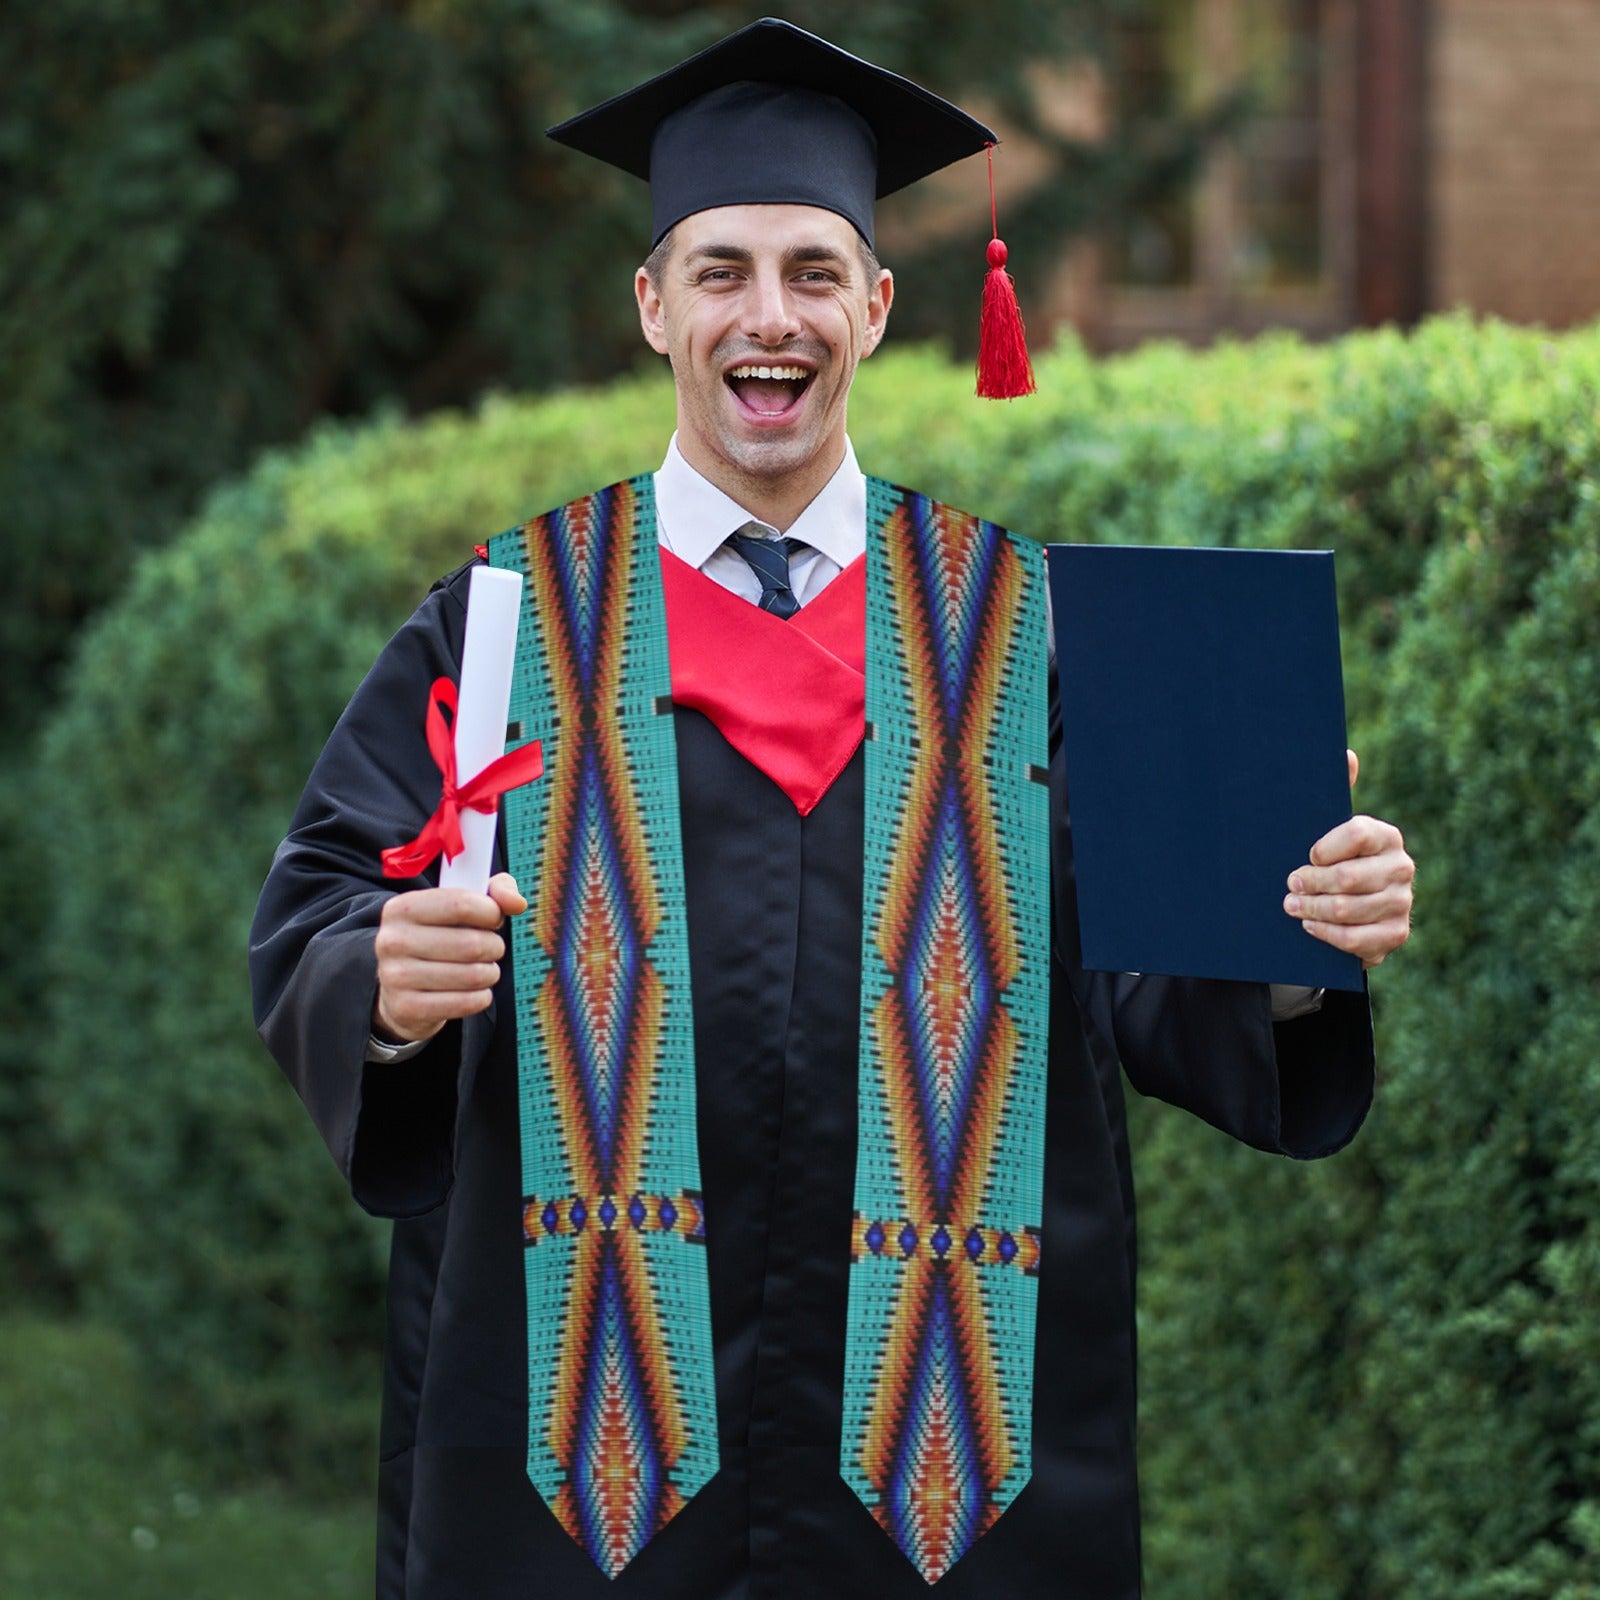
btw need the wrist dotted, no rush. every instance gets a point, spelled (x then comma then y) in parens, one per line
(387, 1032)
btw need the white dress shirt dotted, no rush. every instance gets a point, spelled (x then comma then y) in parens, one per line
(694, 518)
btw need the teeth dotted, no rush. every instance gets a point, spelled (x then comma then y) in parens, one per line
(796, 374)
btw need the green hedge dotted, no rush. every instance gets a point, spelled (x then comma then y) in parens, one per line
(1377, 1377)
(1374, 1377)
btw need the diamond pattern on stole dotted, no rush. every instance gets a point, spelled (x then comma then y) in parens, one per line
(939, 1361)
(622, 1414)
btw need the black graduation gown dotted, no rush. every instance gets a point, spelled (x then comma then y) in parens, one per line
(774, 914)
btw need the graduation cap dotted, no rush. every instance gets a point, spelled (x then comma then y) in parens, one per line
(774, 115)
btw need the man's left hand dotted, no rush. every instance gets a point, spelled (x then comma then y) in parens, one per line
(1355, 893)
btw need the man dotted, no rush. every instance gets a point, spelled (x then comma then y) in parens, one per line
(739, 1249)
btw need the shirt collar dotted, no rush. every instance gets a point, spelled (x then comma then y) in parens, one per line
(694, 517)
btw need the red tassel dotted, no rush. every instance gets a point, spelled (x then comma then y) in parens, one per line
(1004, 370)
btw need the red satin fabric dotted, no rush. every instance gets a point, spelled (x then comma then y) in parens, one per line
(442, 831)
(790, 697)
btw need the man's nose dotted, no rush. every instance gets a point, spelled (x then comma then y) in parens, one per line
(772, 319)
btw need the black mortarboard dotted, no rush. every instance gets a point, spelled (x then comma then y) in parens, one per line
(774, 115)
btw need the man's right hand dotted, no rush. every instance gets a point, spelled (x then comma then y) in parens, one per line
(439, 954)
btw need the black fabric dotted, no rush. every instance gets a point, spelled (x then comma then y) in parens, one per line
(413, 1269)
(774, 115)
(774, 910)
(762, 143)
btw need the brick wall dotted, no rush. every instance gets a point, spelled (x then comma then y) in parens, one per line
(1515, 158)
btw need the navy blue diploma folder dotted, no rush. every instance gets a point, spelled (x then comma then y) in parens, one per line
(1202, 710)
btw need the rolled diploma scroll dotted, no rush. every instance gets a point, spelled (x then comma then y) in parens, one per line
(494, 598)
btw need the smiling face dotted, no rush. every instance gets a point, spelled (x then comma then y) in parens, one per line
(764, 311)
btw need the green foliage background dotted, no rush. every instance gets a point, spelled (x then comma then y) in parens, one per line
(1370, 1378)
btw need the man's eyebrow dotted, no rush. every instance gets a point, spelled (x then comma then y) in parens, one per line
(818, 254)
(720, 252)
(738, 255)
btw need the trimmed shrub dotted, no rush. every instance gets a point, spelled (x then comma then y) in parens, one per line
(1376, 1377)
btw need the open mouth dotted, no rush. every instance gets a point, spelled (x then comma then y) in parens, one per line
(768, 391)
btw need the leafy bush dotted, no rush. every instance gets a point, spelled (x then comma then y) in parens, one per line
(1376, 1378)
(1370, 1378)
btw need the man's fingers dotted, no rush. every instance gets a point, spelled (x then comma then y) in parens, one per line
(437, 977)
(1360, 836)
(1355, 893)
(1356, 875)
(1359, 875)
(504, 892)
(414, 1014)
(426, 941)
(416, 997)
(439, 956)
(1370, 941)
(446, 908)
(1381, 905)
(1353, 762)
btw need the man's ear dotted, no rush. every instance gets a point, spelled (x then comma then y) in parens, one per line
(652, 315)
(878, 303)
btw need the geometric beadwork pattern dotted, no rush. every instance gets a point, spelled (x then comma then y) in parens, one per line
(644, 1213)
(954, 1013)
(981, 1245)
(621, 1404)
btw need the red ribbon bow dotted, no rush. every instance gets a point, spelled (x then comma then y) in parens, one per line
(442, 832)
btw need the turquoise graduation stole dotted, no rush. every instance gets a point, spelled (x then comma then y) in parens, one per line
(945, 1245)
(938, 1392)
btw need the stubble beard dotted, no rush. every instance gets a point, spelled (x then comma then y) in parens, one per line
(787, 454)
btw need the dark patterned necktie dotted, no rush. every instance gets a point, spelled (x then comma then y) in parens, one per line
(769, 560)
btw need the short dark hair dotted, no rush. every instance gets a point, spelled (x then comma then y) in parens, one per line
(656, 262)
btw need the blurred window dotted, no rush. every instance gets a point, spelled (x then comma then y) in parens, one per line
(1263, 233)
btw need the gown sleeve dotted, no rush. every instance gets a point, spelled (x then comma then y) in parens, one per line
(1300, 1088)
(313, 964)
